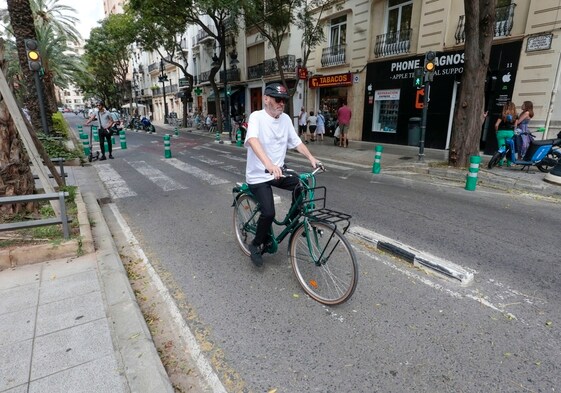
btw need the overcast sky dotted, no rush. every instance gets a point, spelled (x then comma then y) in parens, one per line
(89, 12)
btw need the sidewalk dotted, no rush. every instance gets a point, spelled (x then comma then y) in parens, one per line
(73, 324)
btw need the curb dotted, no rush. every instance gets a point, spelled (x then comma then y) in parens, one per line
(18, 256)
(142, 366)
(424, 261)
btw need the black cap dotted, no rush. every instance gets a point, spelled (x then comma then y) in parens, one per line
(276, 90)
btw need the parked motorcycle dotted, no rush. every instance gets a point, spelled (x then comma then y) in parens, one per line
(544, 154)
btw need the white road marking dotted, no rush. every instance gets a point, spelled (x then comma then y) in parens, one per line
(114, 183)
(194, 171)
(204, 366)
(206, 160)
(156, 176)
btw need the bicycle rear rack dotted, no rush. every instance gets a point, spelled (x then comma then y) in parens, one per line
(332, 217)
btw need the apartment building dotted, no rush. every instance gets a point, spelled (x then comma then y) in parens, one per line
(370, 54)
(524, 66)
(368, 60)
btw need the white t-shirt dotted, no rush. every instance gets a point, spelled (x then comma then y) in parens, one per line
(303, 119)
(275, 136)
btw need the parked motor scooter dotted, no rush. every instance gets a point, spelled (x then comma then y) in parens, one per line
(544, 154)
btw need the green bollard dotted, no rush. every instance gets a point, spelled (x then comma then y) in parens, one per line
(106, 145)
(217, 137)
(85, 143)
(471, 178)
(167, 146)
(113, 140)
(239, 137)
(80, 130)
(95, 134)
(175, 133)
(123, 139)
(376, 168)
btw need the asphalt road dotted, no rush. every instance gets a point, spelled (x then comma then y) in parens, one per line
(403, 330)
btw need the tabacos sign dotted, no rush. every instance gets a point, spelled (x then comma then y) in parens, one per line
(331, 80)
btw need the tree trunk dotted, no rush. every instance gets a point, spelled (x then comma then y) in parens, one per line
(16, 177)
(468, 119)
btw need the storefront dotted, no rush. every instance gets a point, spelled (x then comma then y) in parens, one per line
(391, 100)
(333, 91)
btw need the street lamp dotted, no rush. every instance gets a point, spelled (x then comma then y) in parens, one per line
(163, 78)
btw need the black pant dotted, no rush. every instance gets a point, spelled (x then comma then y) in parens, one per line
(105, 134)
(263, 192)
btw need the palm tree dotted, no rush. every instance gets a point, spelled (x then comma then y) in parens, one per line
(57, 16)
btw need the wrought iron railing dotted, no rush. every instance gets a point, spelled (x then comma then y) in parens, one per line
(233, 75)
(504, 21)
(393, 43)
(203, 76)
(255, 71)
(271, 67)
(154, 66)
(203, 34)
(333, 55)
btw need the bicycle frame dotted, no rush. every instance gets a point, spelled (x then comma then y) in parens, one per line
(307, 205)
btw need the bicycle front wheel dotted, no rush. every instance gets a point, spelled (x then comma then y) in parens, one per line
(324, 262)
(245, 221)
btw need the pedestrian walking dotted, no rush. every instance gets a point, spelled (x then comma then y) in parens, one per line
(504, 126)
(521, 127)
(320, 129)
(270, 132)
(105, 123)
(344, 118)
(312, 122)
(303, 124)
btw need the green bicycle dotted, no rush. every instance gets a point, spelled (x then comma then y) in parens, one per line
(321, 257)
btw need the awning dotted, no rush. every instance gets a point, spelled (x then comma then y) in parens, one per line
(211, 95)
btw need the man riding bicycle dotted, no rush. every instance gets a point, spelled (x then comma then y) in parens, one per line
(270, 133)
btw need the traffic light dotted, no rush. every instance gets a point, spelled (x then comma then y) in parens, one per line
(418, 78)
(33, 56)
(429, 66)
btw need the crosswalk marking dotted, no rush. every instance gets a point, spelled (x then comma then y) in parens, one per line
(114, 183)
(232, 169)
(163, 181)
(206, 160)
(194, 171)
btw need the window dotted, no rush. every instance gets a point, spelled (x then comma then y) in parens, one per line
(386, 109)
(338, 31)
(399, 16)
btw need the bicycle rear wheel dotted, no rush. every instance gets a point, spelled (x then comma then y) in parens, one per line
(324, 262)
(245, 221)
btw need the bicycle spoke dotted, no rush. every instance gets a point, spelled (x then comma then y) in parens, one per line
(326, 266)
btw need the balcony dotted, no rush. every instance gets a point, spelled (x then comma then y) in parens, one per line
(233, 75)
(203, 35)
(203, 77)
(154, 67)
(271, 67)
(255, 71)
(504, 21)
(333, 55)
(393, 43)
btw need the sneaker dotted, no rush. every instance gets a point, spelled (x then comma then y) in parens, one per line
(110, 156)
(255, 255)
(102, 158)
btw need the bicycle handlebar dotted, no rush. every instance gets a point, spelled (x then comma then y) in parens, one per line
(284, 168)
